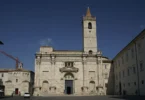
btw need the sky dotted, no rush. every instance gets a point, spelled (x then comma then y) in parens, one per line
(25, 25)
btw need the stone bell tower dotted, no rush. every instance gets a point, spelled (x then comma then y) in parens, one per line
(89, 33)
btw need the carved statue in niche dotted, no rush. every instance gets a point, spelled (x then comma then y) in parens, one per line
(38, 61)
(84, 60)
(53, 59)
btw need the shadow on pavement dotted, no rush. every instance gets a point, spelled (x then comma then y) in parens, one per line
(5, 97)
(129, 97)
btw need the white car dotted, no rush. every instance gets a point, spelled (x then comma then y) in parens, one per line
(26, 95)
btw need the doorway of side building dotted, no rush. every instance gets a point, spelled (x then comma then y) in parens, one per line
(69, 83)
(120, 89)
(16, 91)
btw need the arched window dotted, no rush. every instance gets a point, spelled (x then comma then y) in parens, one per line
(89, 25)
(90, 52)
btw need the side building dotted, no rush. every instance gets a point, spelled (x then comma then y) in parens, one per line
(17, 81)
(129, 68)
(2, 80)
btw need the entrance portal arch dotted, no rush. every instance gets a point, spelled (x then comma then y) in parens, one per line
(69, 77)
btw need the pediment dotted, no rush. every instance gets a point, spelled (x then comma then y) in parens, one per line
(69, 69)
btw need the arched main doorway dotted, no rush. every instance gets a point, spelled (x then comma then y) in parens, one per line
(69, 83)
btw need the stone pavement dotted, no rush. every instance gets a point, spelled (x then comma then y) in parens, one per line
(78, 98)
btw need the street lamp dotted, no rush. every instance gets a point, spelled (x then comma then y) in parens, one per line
(1, 43)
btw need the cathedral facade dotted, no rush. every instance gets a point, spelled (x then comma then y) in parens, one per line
(64, 72)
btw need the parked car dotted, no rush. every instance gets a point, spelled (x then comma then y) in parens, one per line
(26, 95)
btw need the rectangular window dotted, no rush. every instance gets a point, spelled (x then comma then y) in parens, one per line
(128, 84)
(116, 77)
(128, 72)
(2, 75)
(119, 75)
(132, 52)
(127, 56)
(115, 64)
(69, 64)
(122, 60)
(105, 66)
(106, 85)
(134, 83)
(139, 47)
(142, 81)
(123, 73)
(124, 84)
(134, 70)
(141, 66)
(119, 63)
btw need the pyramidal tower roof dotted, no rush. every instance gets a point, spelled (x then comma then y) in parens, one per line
(89, 16)
(88, 13)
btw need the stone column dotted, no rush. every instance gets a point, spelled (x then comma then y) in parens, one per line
(53, 73)
(85, 77)
(37, 76)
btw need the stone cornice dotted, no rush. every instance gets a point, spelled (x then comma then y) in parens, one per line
(68, 55)
(107, 61)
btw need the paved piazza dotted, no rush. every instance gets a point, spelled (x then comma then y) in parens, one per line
(77, 98)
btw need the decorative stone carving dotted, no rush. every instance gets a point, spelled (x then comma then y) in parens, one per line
(53, 59)
(52, 87)
(99, 61)
(84, 88)
(38, 61)
(68, 69)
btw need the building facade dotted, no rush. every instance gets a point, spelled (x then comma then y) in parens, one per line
(17, 82)
(63, 72)
(129, 68)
